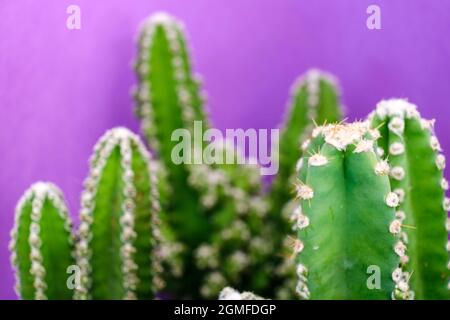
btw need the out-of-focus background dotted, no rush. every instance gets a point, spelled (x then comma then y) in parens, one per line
(61, 89)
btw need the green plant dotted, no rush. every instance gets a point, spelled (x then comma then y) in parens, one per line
(118, 251)
(42, 244)
(346, 218)
(215, 209)
(410, 144)
(314, 101)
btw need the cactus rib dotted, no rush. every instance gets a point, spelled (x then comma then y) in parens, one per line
(410, 144)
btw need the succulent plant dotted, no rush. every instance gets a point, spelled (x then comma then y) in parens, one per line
(346, 219)
(215, 209)
(409, 143)
(42, 244)
(118, 249)
(315, 100)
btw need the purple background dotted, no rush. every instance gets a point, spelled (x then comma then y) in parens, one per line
(61, 89)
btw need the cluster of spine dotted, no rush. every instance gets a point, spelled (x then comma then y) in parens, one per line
(410, 145)
(42, 244)
(314, 100)
(238, 251)
(221, 202)
(228, 293)
(119, 232)
(345, 216)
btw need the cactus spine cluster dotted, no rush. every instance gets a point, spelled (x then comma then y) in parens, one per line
(345, 200)
(119, 230)
(217, 208)
(413, 150)
(42, 244)
(315, 100)
(231, 294)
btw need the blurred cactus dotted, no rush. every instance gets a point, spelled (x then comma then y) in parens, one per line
(42, 244)
(315, 100)
(410, 144)
(215, 210)
(119, 232)
(346, 218)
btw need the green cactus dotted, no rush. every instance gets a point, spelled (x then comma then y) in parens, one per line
(315, 100)
(119, 233)
(213, 204)
(346, 218)
(42, 246)
(416, 175)
(165, 99)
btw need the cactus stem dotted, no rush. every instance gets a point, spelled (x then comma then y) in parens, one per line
(122, 138)
(38, 193)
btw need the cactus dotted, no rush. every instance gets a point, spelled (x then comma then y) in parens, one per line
(346, 218)
(410, 144)
(314, 100)
(165, 87)
(212, 204)
(42, 244)
(119, 232)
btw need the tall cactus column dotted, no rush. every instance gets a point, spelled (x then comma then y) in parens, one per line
(315, 100)
(345, 218)
(118, 246)
(413, 150)
(169, 94)
(168, 98)
(42, 244)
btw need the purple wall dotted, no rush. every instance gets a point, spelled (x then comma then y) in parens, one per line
(60, 89)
